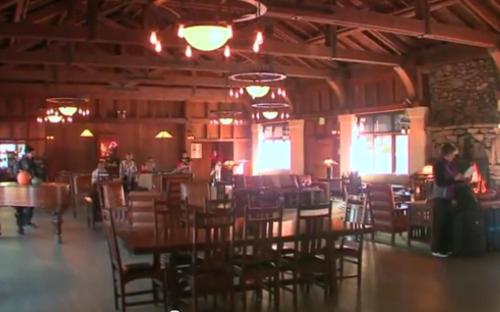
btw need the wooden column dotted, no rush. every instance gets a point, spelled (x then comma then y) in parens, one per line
(417, 139)
(347, 123)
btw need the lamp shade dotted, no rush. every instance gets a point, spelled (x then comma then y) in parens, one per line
(86, 134)
(270, 115)
(206, 37)
(163, 135)
(68, 110)
(257, 91)
(54, 118)
(330, 162)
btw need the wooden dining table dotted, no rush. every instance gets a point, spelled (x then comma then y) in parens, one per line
(144, 240)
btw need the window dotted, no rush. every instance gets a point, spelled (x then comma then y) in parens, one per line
(274, 151)
(379, 145)
(9, 153)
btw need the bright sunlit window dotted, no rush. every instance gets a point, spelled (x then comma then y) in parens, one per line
(379, 146)
(274, 153)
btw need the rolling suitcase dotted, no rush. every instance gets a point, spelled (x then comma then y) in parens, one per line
(469, 237)
(469, 234)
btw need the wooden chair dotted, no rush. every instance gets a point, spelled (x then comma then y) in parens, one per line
(350, 249)
(168, 220)
(312, 256)
(112, 196)
(140, 210)
(212, 270)
(385, 216)
(215, 204)
(80, 186)
(125, 273)
(258, 266)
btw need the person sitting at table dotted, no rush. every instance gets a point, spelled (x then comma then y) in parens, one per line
(150, 165)
(100, 173)
(446, 177)
(184, 165)
(24, 216)
(128, 172)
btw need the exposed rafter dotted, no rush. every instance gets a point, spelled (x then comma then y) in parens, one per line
(121, 61)
(136, 37)
(387, 23)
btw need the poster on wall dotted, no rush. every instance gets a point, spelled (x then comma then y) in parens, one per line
(196, 151)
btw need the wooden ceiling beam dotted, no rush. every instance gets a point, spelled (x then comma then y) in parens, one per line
(122, 61)
(388, 23)
(482, 12)
(95, 91)
(65, 76)
(137, 37)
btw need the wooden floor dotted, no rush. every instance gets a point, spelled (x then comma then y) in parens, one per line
(37, 275)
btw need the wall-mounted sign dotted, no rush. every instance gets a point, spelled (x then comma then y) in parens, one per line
(196, 152)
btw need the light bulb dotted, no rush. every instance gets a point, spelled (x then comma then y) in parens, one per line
(237, 95)
(273, 95)
(230, 31)
(256, 47)
(283, 93)
(231, 93)
(241, 90)
(180, 31)
(153, 38)
(189, 52)
(227, 52)
(259, 39)
(158, 47)
(279, 91)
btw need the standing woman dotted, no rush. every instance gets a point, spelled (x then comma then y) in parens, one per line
(128, 172)
(445, 178)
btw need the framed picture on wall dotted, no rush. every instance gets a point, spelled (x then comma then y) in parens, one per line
(196, 151)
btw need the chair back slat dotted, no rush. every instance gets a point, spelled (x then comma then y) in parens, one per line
(112, 241)
(313, 225)
(168, 219)
(216, 204)
(381, 204)
(262, 232)
(213, 235)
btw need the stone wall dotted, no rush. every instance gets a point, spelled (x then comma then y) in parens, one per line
(480, 143)
(464, 93)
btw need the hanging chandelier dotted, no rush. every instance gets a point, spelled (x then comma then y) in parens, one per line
(226, 117)
(211, 34)
(69, 106)
(54, 116)
(258, 84)
(206, 37)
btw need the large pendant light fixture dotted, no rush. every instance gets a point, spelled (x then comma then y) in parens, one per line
(69, 106)
(206, 37)
(210, 35)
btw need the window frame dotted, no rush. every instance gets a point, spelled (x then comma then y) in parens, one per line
(394, 132)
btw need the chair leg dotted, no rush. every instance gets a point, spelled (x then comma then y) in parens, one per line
(277, 292)
(122, 297)
(115, 291)
(294, 290)
(359, 272)
(393, 238)
(244, 299)
(155, 291)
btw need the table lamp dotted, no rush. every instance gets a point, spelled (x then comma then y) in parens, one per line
(329, 163)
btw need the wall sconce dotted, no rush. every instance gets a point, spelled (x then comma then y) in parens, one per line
(49, 138)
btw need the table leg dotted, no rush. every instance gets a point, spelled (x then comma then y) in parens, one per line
(20, 220)
(57, 222)
(172, 280)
